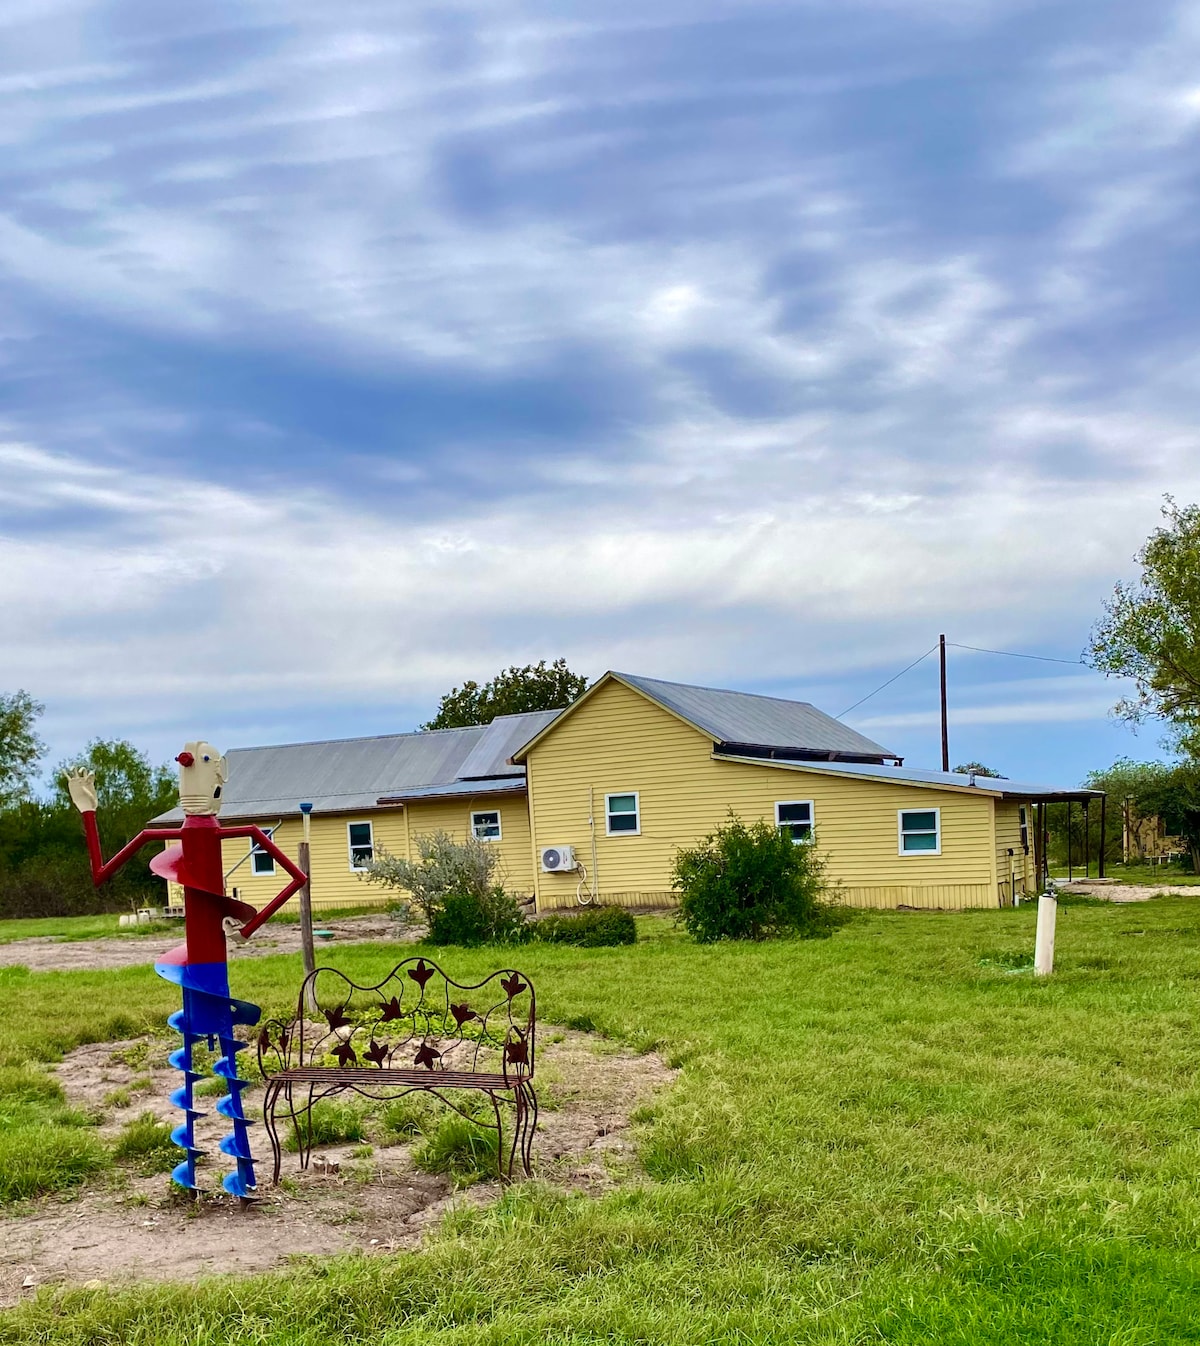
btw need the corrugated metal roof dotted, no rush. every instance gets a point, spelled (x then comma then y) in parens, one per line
(500, 739)
(352, 774)
(1008, 789)
(765, 721)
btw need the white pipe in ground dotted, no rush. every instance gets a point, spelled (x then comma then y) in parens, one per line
(1043, 949)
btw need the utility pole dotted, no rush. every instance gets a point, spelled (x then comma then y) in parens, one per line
(306, 930)
(945, 730)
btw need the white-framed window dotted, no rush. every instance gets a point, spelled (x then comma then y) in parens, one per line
(794, 817)
(262, 862)
(360, 841)
(1024, 829)
(622, 814)
(920, 831)
(485, 824)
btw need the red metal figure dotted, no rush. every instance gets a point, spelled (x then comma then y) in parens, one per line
(199, 965)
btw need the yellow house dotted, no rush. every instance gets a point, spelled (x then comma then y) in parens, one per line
(592, 802)
(636, 768)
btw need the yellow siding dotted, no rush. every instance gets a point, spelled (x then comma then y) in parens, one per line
(1008, 835)
(618, 742)
(454, 816)
(335, 884)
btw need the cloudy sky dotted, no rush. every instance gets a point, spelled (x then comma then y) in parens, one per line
(350, 350)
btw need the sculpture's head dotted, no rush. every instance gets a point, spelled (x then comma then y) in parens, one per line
(201, 776)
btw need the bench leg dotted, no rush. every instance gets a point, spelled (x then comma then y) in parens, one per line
(270, 1098)
(529, 1128)
(527, 1113)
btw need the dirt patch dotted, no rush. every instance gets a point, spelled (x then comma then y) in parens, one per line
(47, 954)
(128, 1228)
(1129, 892)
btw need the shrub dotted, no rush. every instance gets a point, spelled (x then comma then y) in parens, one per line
(750, 881)
(592, 928)
(453, 888)
(476, 918)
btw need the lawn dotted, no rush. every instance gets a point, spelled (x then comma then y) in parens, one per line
(72, 928)
(893, 1135)
(107, 926)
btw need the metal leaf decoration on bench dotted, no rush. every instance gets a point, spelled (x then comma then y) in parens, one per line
(421, 973)
(426, 1056)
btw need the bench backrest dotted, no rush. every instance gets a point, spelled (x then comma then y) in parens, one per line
(416, 1016)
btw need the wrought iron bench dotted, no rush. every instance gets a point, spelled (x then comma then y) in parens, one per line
(418, 1029)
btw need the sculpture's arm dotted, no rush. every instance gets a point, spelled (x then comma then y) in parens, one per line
(299, 877)
(82, 785)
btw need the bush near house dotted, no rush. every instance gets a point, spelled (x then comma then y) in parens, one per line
(592, 928)
(453, 888)
(750, 881)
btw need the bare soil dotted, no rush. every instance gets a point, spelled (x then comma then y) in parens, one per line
(125, 1227)
(48, 954)
(1129, 892)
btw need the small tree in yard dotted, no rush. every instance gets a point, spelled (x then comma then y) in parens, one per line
(750, 881)
(453, 887)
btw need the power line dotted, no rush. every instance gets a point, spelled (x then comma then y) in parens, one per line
(1014, 654)
(975, 649)
(889, 682)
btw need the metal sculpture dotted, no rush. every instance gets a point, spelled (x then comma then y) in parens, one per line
(199, 965)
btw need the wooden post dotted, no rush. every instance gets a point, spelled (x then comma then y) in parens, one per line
(945, 729)
(306, 928)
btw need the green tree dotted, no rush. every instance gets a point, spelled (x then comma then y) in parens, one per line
(539, 686)
(128, 786)
(1150, 630)
(978, 769)
(1175, 797)
(20, 747)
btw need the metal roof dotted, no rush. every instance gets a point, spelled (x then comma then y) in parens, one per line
(460, 789)
(352, 774)
(903, 775)
(760, 721)
(500, 739)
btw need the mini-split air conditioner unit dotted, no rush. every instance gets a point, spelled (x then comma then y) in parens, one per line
(558, 859)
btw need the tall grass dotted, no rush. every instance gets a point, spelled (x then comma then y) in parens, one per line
(895, 1135)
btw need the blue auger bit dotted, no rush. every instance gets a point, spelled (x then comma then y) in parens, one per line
(209, 1014)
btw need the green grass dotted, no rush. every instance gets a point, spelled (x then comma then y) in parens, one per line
(894, 1135)
(44, 1144)
(107, 926)
(333, 1121)
(457, 1147)
(146, 1143)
